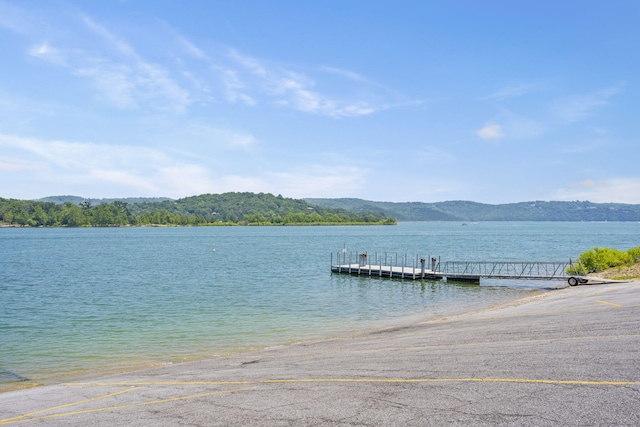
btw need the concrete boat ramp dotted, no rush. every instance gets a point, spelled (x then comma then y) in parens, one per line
(566, 357)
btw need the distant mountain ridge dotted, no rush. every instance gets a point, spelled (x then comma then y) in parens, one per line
(456, 210)
(472, 211)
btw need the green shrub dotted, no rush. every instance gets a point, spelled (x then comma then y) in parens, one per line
(600, 259)
(577, 269)
(634, 253)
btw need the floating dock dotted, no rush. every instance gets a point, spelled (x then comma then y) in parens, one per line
(418, 268)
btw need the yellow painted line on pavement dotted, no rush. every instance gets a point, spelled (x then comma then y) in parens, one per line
(27, 417)
(477, 344)
(471, 344)
(617, 288)
(413, 348)
(608, 303)
(439, 380)
(503, 316)
(370, 380)
(30, 414)
(148, 383)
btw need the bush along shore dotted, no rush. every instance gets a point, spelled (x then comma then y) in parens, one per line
(609, 263)
(207, 210)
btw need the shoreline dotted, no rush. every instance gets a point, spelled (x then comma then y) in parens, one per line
(507, 364)
(129, 366)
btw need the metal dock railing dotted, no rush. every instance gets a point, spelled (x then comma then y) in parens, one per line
(401, 266)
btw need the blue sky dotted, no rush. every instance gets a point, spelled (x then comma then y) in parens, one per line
(490, 101)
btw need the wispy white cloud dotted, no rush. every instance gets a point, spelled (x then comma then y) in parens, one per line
(139, 81)
(48, 53)
(205, 135)
(536, 121)
(490, 131)
(298, 91)
(348, 74)
(126, 79)
(19, 20)
(234, 89)
(517, 126)
(513, 91)
(120, 169)
(614, 190)
(121, 75)
(319, 180)
(579, 107)
(113, 80)
(584, 147)
(191, 48)
(308, 180)
(13, 165)
(105, 170)
(429, 153)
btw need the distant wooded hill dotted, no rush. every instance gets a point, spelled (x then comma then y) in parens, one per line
(267, 209)
(206, 209)
(472, 211)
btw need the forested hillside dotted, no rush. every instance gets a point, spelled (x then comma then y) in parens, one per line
(267, 209)
(207, 209)
(472, 211)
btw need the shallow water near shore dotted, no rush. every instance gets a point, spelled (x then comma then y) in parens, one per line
(77, 301)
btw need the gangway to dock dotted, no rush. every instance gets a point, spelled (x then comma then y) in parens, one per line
(403, 267)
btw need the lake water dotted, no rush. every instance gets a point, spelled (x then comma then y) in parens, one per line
(76, 301)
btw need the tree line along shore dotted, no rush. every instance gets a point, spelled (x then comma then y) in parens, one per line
(267, 209)
(204, 210)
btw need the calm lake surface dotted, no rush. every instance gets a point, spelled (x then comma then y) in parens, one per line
(76, 301)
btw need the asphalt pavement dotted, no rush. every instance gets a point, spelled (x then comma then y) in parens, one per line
(564, 357)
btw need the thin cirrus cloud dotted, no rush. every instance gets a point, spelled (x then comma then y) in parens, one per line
(320, 180)
(46, 52)
(19, 20)
(132, 169)
(10, 164)
(126, 170)
(81, 155)
(120, 74)
(513, 91)
(295, 90)
(490, 131)
(575, 108)
(174, 82)
(564, 111)
(622, 190)
(235, 91)
(135, 78)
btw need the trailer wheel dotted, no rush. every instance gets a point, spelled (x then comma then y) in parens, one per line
(573, 281)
